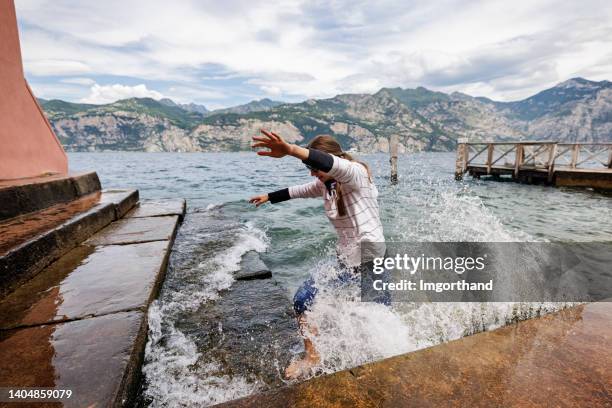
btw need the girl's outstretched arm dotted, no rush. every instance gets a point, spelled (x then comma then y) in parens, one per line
(278, 147)
(344, 171)
(259, 200)
(308, 190)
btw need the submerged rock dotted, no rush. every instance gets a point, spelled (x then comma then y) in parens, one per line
(252, 267)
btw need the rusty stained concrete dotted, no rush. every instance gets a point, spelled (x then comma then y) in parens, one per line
(22, 196)
(18, 230)
(99, 294)
(32, 241)
(88, 357)
(559, 360)
(88, 281)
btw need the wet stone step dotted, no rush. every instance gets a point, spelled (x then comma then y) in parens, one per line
(136, 230)
(81, 323)
(30, 242)
(95, 358)
(124, 200)
(159, 208)
(212, 329)
(88, 281)
(19, 197)
(17, 231)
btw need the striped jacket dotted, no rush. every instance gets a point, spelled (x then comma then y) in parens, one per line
(361, 224)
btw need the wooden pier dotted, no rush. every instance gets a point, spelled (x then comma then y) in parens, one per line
(538, 162)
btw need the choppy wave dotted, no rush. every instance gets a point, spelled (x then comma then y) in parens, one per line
(351, 333)
(426, 206)
(175, 372)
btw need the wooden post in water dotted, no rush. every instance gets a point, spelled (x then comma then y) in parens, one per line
(575, 155)
(393, 151)
(518, 160)
(552, 153)
(462, 158)
(490, 150)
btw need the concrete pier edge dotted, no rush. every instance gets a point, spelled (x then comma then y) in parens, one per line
(107, 338)
(558, 359)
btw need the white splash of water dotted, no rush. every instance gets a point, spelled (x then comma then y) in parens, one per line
(173, 379)
(175, 374)
(350, 332)
(251, 239)
(458, 216)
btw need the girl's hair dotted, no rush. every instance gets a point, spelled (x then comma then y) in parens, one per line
(328, 144)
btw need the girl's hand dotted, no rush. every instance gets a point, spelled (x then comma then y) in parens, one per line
(278, 147)
(259, 200)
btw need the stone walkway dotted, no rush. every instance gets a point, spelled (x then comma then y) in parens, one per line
(80, 323)
(559, 360)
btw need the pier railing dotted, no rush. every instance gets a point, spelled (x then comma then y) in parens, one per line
(498, 158)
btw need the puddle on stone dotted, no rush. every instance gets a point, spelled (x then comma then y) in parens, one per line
(87, 281)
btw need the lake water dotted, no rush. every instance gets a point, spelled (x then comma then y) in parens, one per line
(295, 238)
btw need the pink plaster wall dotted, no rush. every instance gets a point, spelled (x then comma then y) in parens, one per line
(28, 146)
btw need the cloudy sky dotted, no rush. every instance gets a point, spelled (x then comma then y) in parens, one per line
(223, 53)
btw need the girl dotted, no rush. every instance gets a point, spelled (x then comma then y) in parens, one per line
(350, 201)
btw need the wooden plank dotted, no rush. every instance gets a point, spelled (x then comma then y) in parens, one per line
(503, 155)
(518, 161)
(560, 155)
(575, 155)
(490, 150)
(534, 154)
(537, 162)
(593, 155)
(393, 147)
(551, 162)
(477, 154)
(523, 142)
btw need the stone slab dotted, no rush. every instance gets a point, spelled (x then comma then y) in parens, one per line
(30, 242)
(136, 230)
(88, 281)
(20, 229)
(252, 267)
(97, 358)
(124, 200)
(24, 261)
(561, 359)
(23, 196)
(159, 208)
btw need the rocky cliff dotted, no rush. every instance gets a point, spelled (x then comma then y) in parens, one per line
(575, 110)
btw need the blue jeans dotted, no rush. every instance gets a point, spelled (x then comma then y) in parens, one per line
(306, 293)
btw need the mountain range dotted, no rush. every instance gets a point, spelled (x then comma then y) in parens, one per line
(574, 110)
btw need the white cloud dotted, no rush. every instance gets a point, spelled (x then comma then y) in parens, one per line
(271, 90)
(57, 67)
(318, 49)
(78, 81)
(100, 94)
